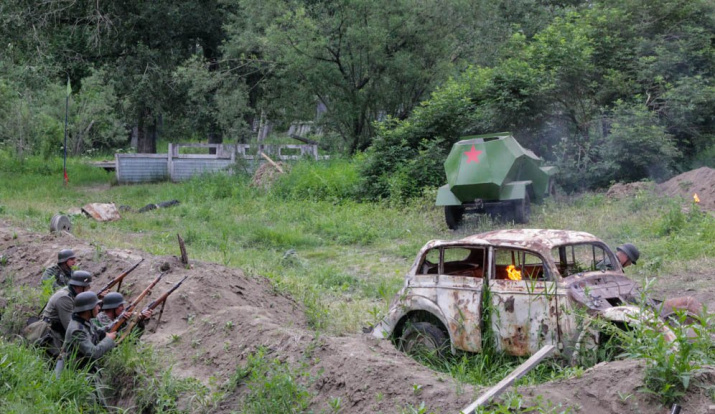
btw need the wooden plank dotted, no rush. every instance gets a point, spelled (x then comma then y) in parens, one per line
(273, 163)
(519, 372)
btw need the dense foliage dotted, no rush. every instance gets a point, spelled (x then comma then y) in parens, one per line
(607, 90)
(613, 91)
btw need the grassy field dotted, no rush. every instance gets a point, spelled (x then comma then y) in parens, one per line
(343, 259)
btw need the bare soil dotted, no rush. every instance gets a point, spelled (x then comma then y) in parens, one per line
(220, 316)
(683, 186)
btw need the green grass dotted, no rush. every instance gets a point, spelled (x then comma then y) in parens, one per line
(342, 259)
(28, 384)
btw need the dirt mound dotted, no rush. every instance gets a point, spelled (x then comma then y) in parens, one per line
(614, 388)
(685, 185)
(700, 182)
(266, 174)
(620, 190)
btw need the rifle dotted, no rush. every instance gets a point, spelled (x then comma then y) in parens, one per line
(102, 292)
(156, 302)
(114, 327)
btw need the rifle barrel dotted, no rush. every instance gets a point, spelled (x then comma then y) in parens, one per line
(119, 278)
(163, 297)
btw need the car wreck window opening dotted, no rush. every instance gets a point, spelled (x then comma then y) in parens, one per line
(526, 264)
(430, 262)
(463, 261)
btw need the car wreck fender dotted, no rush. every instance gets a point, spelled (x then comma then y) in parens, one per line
(635, 316)
(399, 311)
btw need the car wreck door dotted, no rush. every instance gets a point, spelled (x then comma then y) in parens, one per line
(523, 302)
(459, 294)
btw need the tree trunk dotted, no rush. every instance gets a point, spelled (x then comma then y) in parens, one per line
(146, 134)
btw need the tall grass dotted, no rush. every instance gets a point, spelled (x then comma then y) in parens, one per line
(28, 384)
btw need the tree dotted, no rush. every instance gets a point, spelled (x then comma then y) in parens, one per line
(362, 59)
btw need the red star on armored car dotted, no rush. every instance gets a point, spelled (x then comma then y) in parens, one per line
(472, 155)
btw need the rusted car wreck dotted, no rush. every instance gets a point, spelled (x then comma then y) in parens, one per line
(526, 285)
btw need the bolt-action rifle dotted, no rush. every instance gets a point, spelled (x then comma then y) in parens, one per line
(153, 305)
(114, 327)
(117, 280)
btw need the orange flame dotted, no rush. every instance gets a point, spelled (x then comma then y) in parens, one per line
(513, 273)
(696, 198)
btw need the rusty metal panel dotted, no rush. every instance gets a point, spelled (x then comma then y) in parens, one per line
(524, 315)
(459, 297)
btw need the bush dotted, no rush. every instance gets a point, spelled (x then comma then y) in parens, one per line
(333, 181)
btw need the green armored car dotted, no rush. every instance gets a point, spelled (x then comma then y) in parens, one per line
(493, 174)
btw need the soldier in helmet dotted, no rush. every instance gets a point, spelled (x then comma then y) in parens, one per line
(112, 309)
(627, 254)
(58, 311)
(61, 272)
(84, 343)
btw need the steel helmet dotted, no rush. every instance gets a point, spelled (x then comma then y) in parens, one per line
(629, 250)
(80, 278)
(64, 255)
(85, 301)
(113, 300)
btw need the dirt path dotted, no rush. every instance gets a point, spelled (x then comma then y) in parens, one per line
(220, 316)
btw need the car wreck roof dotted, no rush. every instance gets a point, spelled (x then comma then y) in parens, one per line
(534, 239)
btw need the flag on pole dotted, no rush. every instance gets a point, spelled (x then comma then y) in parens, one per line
(67, 104)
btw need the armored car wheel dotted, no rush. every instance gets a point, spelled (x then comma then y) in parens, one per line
(522, 210)
(453, 216)
(422, 338)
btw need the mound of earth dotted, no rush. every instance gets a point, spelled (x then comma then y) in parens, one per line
(219, 316)
(685, 185)
(615, 388)
(700, 182)
(621, 190)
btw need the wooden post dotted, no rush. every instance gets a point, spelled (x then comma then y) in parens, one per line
(170, 161)
(519, 372)
(184, 257)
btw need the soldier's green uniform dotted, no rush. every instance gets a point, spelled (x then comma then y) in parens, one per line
(86, 342)
(58, 314)
(58, 275)
(102, 321)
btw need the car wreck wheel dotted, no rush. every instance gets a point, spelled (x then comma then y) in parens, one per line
(423, 338)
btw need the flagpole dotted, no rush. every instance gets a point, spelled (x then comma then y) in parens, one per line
(67, 105)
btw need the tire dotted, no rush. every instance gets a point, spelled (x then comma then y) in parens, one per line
(424, 338)
(522, 210)
(453, 216)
